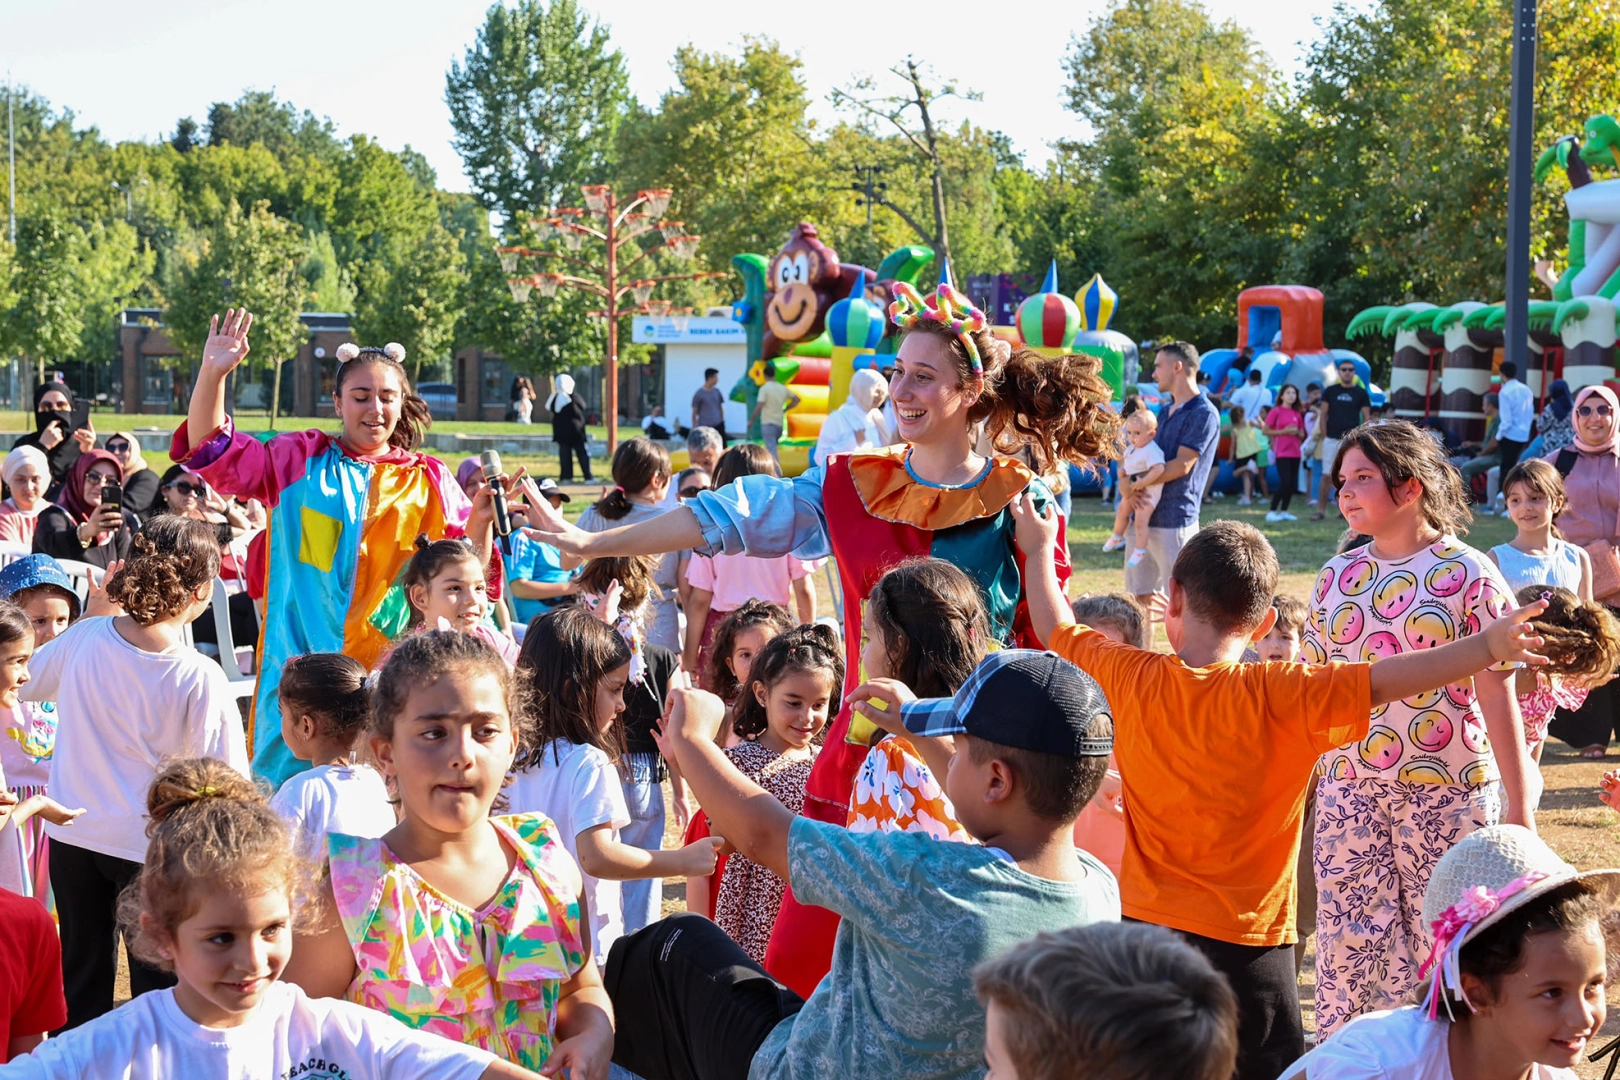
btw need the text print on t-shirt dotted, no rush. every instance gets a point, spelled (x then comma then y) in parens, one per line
(1366, 609)
(316, 1068)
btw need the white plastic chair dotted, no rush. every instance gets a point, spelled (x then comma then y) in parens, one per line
(242, 679)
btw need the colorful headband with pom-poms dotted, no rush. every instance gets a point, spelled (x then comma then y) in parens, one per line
(349, 351)
(949, 309)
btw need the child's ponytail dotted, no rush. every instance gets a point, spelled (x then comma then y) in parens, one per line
(431, 557)
(210, 827)
(638, 463)
(331, 688)
(809, 648)
(1582, 640)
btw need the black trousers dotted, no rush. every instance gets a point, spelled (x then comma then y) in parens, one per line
(87, 885)
(691, 1004)
(1510, 450)
(1287, 482)
(565, 467)
(1590, 725)
(1271, 1034)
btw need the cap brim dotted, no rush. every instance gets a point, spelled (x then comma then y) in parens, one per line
(1606, 883)
(932, 717)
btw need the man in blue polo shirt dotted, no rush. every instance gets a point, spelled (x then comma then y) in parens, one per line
(1189, 429)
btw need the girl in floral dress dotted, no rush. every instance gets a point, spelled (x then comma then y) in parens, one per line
(459, 922)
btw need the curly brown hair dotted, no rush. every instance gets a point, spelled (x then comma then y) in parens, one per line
(935, 630)
(1582, 641)
(210, 827)
(635, 574)
(812, 647)
(771, 619)
(414, 415)
(174, 558)
(1402, 451)
(1056, 406)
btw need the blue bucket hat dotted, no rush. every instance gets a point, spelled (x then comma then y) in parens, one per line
(31, 571)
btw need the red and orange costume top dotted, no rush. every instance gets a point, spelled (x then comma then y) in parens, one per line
(341, 528)
(871, 512)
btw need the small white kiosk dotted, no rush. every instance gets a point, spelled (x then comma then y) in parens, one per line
(690, 346)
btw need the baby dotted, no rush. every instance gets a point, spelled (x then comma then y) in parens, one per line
(1143, 465)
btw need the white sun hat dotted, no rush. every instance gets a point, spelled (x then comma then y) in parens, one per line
(1482, 879)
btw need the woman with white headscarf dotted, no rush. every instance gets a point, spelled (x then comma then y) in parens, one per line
(854, 425)
(27, 472)
(568, 429)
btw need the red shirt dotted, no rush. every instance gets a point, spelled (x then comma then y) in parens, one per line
(31, 1001)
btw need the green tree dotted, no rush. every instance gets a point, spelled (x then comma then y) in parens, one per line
(42, 321)
(250, 259)
(416, 301)
(535, 104)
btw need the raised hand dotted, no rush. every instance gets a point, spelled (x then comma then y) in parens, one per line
(607, 606)
(227, 344)
(1034, 531)
(1512, 639)
(98, 602)
(879, 700)
(86, 438)
(547, 524)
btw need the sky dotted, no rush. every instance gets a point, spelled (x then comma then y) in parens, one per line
(379, 68)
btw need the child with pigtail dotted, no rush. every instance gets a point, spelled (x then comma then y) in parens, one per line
(343, 510)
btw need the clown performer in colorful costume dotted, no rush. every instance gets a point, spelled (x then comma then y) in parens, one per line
(344, 514)
(873, 509)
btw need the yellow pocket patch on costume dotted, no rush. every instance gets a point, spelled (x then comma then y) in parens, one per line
(318, 543)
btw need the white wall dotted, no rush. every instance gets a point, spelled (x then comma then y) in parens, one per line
(683, 376)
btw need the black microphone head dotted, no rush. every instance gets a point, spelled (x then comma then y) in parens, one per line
(491, 462)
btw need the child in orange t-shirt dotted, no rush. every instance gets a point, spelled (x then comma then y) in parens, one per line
(1214, 755)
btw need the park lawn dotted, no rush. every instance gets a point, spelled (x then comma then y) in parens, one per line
(105, 422)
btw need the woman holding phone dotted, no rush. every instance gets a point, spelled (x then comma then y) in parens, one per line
(88, 523)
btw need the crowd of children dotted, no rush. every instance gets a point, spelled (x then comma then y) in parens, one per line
(985, 830)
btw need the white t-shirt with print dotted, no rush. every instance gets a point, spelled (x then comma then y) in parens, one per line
(578, 787)
(1365, 609)
(122, 712)
(289, 1035)
(347, 799)
(1396, 1044)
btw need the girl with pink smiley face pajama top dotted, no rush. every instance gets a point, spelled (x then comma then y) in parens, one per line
(1424, 777)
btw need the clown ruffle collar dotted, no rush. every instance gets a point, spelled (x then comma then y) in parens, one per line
(891, 492)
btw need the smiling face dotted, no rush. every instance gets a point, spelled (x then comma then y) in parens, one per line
(369, 402)
(28, 486)
(930, 403)
(451, 749)
(458, 593)
(1529, 508)
(14, 669)
(796, 707)
(228, 952)
(798, 281)
(1547, 1010)
(1595, 420)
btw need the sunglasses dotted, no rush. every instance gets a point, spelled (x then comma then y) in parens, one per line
(190, 489)
(96, 479)
(1347, 371)
(692, 491)
(118, 448)
(1589, 410)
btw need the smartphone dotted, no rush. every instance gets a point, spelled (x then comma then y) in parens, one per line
(79, 418)
(112, 496)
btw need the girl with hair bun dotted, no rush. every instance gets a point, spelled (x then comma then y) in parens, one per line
(129, 693)
(343, 512)
(935, 494)
(215, 904)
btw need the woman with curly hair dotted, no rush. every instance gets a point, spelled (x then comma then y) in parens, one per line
(935, 494)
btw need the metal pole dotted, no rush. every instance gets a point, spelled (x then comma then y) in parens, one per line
(1521, 154)
(612, 395)
(11, 144)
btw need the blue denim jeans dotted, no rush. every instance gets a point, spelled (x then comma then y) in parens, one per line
(643, 899)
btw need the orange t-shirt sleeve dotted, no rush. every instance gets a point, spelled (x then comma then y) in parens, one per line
(1113, 665)
(1334, 699)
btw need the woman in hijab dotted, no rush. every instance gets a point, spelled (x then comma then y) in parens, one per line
(568, 430)
(1557, 422)
(470, 475)
(1591, 468)
(53, 408)
(854, 424)
(78, 527)
(141, 487)
(27, 473)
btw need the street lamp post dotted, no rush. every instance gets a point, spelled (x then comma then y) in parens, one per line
(620, 225)
(1521, 152)
(129, 200)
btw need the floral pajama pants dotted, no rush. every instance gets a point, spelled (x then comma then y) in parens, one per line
(1376, 844)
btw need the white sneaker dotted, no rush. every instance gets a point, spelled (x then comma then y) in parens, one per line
(1244, 500)
(1272, 515)
(1286, 516)
(1114, 543)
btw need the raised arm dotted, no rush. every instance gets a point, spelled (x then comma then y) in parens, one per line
(1037, 536)
(1509, 639)
(226, 347)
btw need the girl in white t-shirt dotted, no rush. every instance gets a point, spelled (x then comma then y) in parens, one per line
(130, 694)
(214, 905)
(578, 668)
(325, 705)
(1515, 977)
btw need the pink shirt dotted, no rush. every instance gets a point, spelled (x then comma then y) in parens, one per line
(17, 526)
(1284, 446)
(1593, 491)
(736, 579)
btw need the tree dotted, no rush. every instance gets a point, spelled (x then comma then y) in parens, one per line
(249, 260)
(417, 300)
(535, 105)
(920, 134)
(42, 321)
(257, 117)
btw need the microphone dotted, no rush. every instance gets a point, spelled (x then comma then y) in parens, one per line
(491, 462)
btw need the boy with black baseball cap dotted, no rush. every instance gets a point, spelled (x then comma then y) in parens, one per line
(917, 914)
